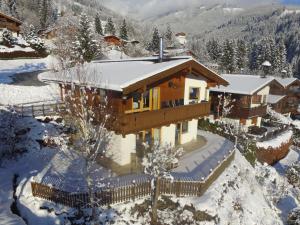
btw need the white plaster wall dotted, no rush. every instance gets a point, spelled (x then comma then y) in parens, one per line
(264, 92)
(249, 123)
(168, 135)
(192, 132)
(121, 148)
(195, 82)
(258, 121)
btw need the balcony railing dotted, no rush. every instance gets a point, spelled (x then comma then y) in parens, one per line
(245, 113)
(132, 123)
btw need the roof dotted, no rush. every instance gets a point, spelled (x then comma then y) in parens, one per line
(287, 81)
(123, 74)
(243, 84)
(273, 99)
(10, 18)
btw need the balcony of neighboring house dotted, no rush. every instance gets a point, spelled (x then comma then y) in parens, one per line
(153, 110)
(250, 106)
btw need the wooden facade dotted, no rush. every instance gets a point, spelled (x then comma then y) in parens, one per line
(10, 23)
(290, 103)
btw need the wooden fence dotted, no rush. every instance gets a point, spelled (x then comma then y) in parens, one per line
(39, 109)
(115, 195)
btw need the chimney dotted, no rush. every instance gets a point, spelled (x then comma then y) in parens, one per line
(161, 49)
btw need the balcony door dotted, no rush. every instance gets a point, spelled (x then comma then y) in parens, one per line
(156, 98)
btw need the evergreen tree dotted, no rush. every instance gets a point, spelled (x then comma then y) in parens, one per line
(44, 13)
(4, 6)
(98, 25)
(12, 4)
(282, 55)
(7, 38)
(154, 44)
(34, 41)
(241, 55)
(123, 31)
(214, 50)
(253, 58)
(85, 48)
(228, 60)
(169, 36)
(110, 27)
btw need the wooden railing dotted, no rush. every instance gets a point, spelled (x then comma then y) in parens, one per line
(131, 123)
(245, 113)
(39, 109)
(134, 191)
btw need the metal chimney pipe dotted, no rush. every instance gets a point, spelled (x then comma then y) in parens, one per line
(161, 49)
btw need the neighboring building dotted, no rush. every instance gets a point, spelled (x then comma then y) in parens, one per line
(154, 100)
(285, 97)
(10, 23)
(250, 94)
(113, 40)
(181, 38)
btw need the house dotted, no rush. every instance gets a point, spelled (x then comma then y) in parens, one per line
(181, 38)
(113, 40)
(10, 23)
(154, 99)
(284, 98)
(250, 94)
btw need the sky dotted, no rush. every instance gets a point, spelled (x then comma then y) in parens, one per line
(297, 2)
(149, 8)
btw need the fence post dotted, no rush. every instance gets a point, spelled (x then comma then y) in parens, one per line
(22, 108)
(133, 190)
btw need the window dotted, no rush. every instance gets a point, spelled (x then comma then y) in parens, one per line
(185, 127)
(194, 93)
(146, 99)
(136, 98)
(256, 99)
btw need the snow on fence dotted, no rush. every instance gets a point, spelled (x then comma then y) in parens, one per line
(39, 109)
(133, 191)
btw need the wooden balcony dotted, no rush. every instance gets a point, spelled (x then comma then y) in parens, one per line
(245, 113)
(135, 122)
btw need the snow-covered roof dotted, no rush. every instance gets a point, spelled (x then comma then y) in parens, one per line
(286, 81)
(273, 99)
(243, 84)
(119, 74)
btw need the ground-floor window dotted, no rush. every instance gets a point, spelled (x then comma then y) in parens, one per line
(185, 127)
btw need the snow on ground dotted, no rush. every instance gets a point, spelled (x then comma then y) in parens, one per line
(14, 95)
(15, 48)
(26, 166)
(276, 142)
(116, 55)
(9, 68)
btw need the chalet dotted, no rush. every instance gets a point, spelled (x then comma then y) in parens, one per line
(154, 100)
(250, 94)
(284, 98)
(112, 40)
(10, 23)
(181, 38)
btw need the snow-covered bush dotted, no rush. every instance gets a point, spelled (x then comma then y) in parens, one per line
(34, 41)
(294, 217)
(293, 174)
(7, 38)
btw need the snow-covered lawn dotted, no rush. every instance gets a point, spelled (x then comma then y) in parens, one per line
(14, 95)
(283, 138)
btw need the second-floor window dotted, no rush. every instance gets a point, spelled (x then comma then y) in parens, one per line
(256, 99)
(194, 95)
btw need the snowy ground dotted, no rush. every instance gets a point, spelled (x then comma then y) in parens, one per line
(11, 94)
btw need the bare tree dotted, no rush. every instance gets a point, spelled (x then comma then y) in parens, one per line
(158, 164)
(89, 114)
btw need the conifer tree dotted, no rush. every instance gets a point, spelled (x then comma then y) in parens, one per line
(154, 44)
(123, 31)
(241, 55)
(282, 55)
(44, 13)
(98, 25)
(85, 48)
(214, 50)
(169, 36)
(110, 27)
(7, 38)
(228, 61)
(12, 4)
(34, 41)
